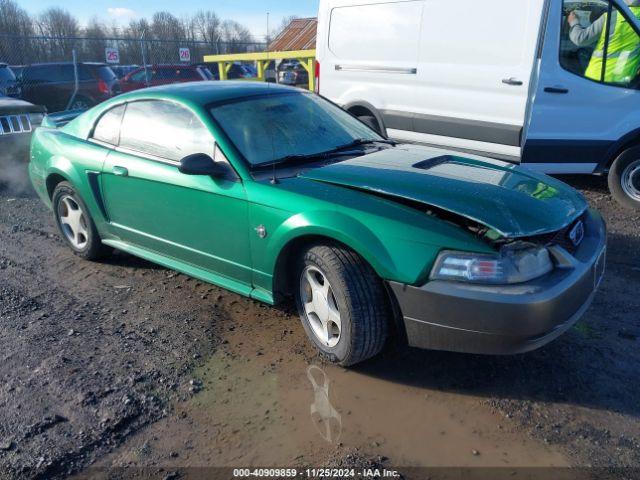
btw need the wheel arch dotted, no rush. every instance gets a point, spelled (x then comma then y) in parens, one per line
(359, 108)
(626, 142)
(301, 231)
(52, 181)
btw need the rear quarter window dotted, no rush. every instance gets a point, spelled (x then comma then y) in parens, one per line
(107, 129)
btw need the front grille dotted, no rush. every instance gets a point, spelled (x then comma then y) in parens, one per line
(10, 124)
(560, 237)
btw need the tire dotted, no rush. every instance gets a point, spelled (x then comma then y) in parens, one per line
(371, 122)
(77, 230)
(81, 103)
(355, 291)
(624, 179)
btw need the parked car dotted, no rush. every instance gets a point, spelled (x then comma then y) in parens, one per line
(18, 119)
(236, 71)
(453, 252)
(122, 70)
(17, 70)
(53, 85)
(8, 83)
(155, 75)
(291, 72)
(521, 91)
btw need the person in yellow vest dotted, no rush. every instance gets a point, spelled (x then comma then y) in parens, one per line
(623, 54)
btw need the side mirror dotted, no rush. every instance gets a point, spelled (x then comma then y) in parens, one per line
(201, 164)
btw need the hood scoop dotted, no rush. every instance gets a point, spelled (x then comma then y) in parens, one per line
(434, 162)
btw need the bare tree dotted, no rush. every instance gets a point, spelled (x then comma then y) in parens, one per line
(207, 26)
(166, 26)
(57, 22)
(94, 46)
(63, 27)
(14, 20)
(235, 36)
(15, 24)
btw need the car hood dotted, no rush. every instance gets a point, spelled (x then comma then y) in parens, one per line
(13, 106)
(501, 196)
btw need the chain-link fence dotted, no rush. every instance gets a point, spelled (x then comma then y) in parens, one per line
(68, 73)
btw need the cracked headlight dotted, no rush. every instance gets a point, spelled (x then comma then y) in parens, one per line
(516, 263)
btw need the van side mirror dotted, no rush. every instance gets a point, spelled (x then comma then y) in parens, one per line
(201, 164)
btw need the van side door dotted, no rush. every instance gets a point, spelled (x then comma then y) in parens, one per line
(368, 53)
(474, 72)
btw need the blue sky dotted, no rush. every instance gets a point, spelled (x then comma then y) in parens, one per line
(251, 13)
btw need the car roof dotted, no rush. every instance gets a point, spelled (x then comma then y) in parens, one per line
(204, 93)
(49, 64)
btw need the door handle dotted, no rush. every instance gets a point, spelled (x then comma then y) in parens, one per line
(120, 171)
(556, 90)
(512, 81)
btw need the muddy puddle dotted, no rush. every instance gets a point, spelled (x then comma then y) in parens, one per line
(266, 400)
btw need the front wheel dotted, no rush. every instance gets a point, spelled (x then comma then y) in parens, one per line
(342, 303)
(624, 179)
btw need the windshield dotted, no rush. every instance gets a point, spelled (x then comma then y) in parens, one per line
(6, 74)
(274, 126)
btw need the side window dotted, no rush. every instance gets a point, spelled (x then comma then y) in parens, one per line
(165, 130)
(138, 76)
(188, 74)
(41, 74)
(108, 127)
(599, 43)
(377, 32)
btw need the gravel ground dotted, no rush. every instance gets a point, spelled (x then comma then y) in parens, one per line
(94, 354)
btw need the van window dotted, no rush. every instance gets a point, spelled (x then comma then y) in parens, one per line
(468, 32)
(599, 43)
(380, 32)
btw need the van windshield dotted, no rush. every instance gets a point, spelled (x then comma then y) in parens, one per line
(269, 127)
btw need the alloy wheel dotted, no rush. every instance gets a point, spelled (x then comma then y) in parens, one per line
(73, 222)
(320, 306)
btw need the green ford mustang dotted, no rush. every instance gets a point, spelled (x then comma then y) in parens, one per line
(275, 193)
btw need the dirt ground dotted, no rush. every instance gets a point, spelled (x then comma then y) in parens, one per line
(121, 367)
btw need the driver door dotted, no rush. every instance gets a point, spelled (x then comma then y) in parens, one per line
(198, 220)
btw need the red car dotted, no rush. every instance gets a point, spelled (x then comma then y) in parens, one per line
(155, 75)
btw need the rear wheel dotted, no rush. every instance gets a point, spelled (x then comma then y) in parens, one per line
(80, 103)
(76, 225)
(342, 303)
(624, 179)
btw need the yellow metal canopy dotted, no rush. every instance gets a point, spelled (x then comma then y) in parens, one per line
(262, 59)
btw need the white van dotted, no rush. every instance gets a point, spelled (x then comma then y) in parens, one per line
(511, 79)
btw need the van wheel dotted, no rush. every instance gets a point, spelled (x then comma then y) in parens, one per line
(371, 122)
(76, 225)
(80, 103)
(342, 303)
(624, 179)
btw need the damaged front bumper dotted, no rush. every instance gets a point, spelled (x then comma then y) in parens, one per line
(506, 319)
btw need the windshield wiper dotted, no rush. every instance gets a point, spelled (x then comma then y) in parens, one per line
(334, 152)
